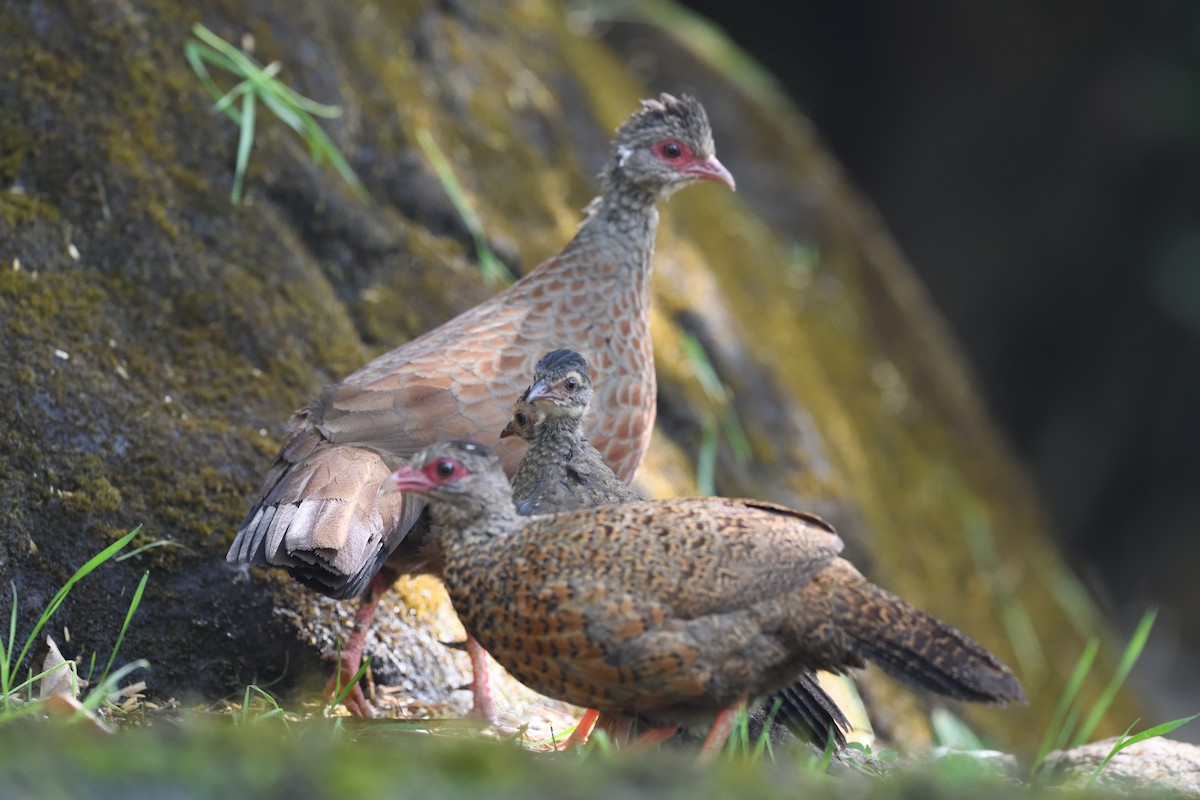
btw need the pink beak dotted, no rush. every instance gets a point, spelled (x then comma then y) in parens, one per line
(712, 170)
(540, 391)
(405, 479)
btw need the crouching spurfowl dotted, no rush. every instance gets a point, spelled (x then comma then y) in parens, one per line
(673, 612)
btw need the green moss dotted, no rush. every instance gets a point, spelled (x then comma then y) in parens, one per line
(93, 494)
(266, 754)
(17, 208)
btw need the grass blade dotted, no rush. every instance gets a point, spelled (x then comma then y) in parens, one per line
(493, 270)
(245, 142)
(1057, 732)
(706, 461)
(61, 595)
(341, 692)
(1126, 741)
(109, 685)
(6, 648)
(133, 606)
(1132, 651)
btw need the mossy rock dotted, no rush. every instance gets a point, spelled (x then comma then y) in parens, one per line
(158, 338)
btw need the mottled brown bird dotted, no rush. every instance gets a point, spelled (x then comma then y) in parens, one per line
(319, 513)
(675, 612)
(562, 471)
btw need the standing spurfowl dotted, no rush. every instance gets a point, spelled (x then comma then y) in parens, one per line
(675, 612)
(562, 471)
(319, 513)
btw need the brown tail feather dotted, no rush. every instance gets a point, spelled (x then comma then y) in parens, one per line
(923, 651)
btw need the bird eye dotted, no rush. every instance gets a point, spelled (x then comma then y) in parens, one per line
(572, 384)
(446, 468)
(521, 418)
(672, 150)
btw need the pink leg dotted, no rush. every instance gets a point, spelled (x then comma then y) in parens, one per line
(483, 705)
(719, 733)
(351, 656)
(652, 736)
(582, 731)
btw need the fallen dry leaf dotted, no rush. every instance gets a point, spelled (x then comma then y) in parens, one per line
(60, 678)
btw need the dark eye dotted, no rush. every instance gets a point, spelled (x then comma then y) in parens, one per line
(445, 468)
(572, 384)
(672, 150)
(521, 418)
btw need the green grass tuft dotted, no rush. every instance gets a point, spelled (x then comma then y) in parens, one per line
(1125, 740)
(17, 696)
(1065, 730)
(260, 84)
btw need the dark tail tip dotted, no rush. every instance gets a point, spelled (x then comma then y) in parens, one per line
(809, 712)
(929, 654)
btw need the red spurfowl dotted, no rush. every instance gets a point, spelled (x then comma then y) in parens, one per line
(674, 612)
(319, 513)
(562, 471)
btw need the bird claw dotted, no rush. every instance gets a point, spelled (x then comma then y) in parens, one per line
(462, 646)
(485, 711)
(358, 705)
(354, 700)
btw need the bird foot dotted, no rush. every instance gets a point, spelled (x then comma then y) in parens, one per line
(485, 711)
(718, 734)
(583, 730)
(356, 703)
(483, 705)
(615, 726)
(355, 700)
(652, 736)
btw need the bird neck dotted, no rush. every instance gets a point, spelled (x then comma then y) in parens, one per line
(623, 220)
(558, 438)
(490, 518)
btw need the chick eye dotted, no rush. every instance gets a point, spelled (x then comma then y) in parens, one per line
(446, 468)
(572, 384)
(521, 418)
(672, 150)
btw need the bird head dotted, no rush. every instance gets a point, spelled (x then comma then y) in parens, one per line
(464, 475)
(524, 418)
(562, 385)
(665, 145)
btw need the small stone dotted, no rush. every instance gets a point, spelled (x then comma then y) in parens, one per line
(1158, 763)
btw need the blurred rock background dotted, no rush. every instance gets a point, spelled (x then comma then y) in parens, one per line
(1039, 164)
